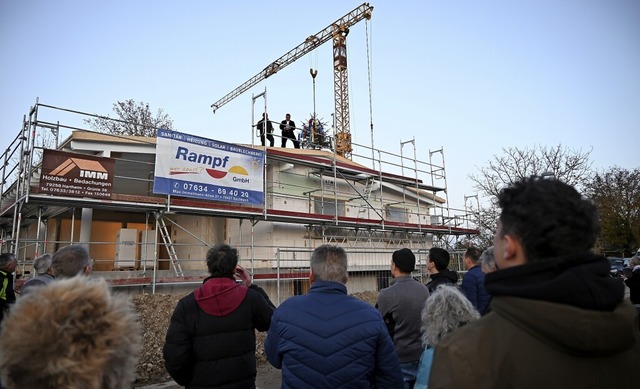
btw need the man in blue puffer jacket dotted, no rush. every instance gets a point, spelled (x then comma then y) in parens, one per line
(473, 280)
(326, 339)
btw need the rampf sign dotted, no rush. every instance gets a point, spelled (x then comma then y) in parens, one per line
(191, 166)
(77, 175)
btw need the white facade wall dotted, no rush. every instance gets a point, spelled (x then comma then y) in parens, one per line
(190, 250)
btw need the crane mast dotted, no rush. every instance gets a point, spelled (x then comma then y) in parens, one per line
(336, 31)
(341, 93)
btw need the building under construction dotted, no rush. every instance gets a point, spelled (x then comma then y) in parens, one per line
(140, 239)
(149, 208)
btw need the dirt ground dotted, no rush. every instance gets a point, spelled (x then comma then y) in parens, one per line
(154, 311)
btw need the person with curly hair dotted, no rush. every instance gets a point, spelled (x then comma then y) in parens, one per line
(70, 333)
(444, 311)
(557, 318)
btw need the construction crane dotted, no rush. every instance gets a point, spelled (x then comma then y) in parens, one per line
(336, 31)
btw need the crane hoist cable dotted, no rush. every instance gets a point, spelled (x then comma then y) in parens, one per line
(368, 40)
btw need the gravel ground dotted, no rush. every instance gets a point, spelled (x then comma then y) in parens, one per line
(154, 311)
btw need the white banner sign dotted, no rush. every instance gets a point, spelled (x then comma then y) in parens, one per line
(190, 166)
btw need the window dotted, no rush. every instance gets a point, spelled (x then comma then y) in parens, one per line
(328, 206)
(396, 215)
(383, 278)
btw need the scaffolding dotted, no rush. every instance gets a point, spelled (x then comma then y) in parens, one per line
(311, 197)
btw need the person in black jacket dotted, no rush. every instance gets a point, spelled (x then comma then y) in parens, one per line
(631, 277)
(287, 126)
(211, 338)
(8, 265)
(269, 127)
(438, 273)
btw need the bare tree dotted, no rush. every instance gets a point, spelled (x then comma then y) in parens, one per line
(616, 193)
(570, 166)
(133, 119)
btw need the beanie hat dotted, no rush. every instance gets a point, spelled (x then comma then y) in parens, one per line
(404, 260)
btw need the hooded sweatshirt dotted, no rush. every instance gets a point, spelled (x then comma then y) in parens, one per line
(556, 323)
(444, 277)
(211, 338)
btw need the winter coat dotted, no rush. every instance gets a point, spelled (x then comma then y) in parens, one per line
(39, 280)
(326, 339)
(444, 277)
(260, 127)
(401, 307)
(473, 287)
(7, 294)
(211, 338)
(424, 370)
(554, 323)
(72, 333)
(633, 283)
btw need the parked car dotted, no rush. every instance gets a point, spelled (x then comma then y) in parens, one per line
(617, 264)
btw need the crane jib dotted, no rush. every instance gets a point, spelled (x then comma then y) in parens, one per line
(311, 43)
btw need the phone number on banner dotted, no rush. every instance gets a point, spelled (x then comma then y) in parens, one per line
(211, 192)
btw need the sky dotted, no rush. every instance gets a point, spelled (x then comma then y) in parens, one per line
(466, 77)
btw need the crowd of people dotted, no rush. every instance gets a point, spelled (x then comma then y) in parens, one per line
(536, 309)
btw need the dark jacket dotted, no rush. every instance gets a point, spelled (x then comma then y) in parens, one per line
(39, 280)
(633, 283)
(555, 323)
(287, 125)
(260, 127)
(326, 339)
(444, 277)
(211, 338)
(473, 288)
(7, 294)
(401, 307)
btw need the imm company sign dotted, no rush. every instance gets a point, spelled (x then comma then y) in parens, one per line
(77, 175)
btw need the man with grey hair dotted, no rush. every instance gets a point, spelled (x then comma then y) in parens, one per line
(44, 274)
(488, 261)
(326, 339)
(71, 261)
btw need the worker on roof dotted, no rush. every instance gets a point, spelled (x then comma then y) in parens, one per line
(260, 126)
(287, 126)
